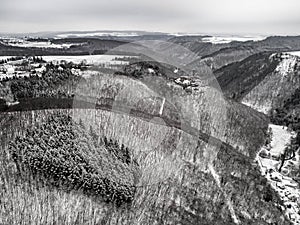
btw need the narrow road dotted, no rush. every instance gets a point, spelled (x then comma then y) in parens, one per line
(162, 106)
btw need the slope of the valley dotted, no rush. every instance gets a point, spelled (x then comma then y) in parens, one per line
(186, 152)
(278, 86)
(238, 79)
(269, 83)
(180, 179)
(263, 81)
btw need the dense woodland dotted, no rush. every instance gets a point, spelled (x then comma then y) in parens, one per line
(155, 202)
(288, 114)
(69, 157)
(53, 83)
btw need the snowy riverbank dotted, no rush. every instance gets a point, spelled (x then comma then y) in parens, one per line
(269, 161)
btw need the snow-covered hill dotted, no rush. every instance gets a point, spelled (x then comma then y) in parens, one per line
(19, 42)
(98, 34)
(223, 39)
(277, 86)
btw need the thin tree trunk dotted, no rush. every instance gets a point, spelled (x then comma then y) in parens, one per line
(283, 159)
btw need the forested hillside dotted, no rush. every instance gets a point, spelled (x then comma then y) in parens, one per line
(146, 142)
(171, 183)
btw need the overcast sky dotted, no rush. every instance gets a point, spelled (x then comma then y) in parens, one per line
(197, 16)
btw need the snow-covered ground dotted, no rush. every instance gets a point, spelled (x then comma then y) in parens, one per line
(296, 53)
(85, 73)
(260, 108)
(287, 64)
(228, 39)
(268, 159)
(35, 44)
(88, 59)
(13, 68)
(260, 97)
(5, 57)
(11, 75)
(93, 34)
(180, 34)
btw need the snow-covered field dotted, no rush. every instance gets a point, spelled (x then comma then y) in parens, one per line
(179, 34)
(268, 159)
(35, 44)
(228, 39)
(5, 57)
(12, 68)
(296, 53)
(39, 44)
(94, 34)
(11, 75)
(88, 59)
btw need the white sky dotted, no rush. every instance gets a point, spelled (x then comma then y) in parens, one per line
(198, 16)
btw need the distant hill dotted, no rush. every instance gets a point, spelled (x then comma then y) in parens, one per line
(219, 55)
(86, 46)
(263, 80)
(269, 83)
(239, 78)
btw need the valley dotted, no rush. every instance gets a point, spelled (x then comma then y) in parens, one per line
(272, 91)
(121, 138)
